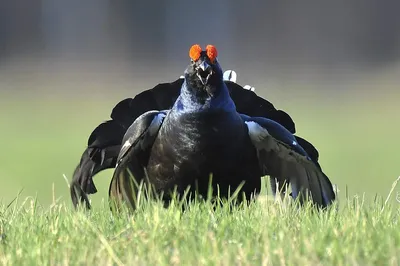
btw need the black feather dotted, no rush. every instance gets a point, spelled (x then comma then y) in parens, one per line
(203, 134)
(106, 139)
(281, 157)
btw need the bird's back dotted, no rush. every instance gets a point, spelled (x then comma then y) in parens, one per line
(191, 146)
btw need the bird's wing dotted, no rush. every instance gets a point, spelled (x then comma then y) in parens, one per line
(142, 132)
(309, 148)
(312, 153)
(133, 157)
(280, 156)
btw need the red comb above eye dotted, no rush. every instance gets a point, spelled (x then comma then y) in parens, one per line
(212, 52)
(194, 52)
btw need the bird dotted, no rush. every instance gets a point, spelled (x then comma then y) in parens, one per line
(105, 140)
(203, 134)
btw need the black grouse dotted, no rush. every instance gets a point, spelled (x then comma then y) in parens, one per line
(105, 141)
(203, 134)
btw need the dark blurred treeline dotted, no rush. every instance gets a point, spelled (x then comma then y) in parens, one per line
(280, 33)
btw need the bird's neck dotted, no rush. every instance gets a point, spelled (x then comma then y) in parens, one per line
(188, 101)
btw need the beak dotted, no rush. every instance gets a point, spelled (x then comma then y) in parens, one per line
(204, 72)
(204, 66)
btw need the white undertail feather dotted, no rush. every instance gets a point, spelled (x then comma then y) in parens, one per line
(248, 87)
(230, 75)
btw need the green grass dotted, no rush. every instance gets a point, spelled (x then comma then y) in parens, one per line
(264, 233)
(44, 136)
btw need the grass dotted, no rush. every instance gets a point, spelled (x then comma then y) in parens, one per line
(44, 136)
(264, 233)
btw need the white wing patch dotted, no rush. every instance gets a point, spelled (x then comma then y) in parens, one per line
(256, 132)
(123, 149)
(152, 129)
(126, 144)
(294, 143)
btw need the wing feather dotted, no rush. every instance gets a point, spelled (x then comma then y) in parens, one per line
(132, 158)
(281, 157)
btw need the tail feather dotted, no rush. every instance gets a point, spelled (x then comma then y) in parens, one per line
(103, 147)
(107, 133)
(161, 97)
(127, 110)
(249, 103)
(82, 180)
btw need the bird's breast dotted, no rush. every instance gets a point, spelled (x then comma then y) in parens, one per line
(209, 133)
(196, 145)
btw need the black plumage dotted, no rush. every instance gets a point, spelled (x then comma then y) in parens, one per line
(204, 134)
(105, 141)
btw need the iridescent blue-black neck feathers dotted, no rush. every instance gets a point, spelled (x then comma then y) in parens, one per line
(204, 87)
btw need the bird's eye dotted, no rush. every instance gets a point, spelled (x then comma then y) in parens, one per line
(194, 52)
(212, 52)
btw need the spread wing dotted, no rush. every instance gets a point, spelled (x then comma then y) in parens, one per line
(133, 157)
(281, 157)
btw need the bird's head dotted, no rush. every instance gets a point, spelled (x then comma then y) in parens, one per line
(204, 73)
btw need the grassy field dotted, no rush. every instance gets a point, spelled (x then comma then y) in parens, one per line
(264, 233)
(43, 137)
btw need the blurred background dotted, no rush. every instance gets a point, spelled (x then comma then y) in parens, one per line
(333, 66)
